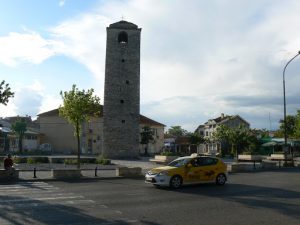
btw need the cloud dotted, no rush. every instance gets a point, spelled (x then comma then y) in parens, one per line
(25, 47)
(198, 59)
(84, 40)
(62, 3)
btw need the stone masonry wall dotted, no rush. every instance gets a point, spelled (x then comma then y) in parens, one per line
(122, 94)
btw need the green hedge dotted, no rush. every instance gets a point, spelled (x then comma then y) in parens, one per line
(70, 161)
(33, 160)
(20, 160)
(101, 160)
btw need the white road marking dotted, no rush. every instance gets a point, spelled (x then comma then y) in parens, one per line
(34, 194)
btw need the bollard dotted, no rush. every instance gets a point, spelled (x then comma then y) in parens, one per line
(96, 169)
(254, 166)
(34, 172)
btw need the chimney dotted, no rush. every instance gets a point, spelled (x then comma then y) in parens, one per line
(222, 115)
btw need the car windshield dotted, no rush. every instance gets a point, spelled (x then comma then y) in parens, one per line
(179, 162)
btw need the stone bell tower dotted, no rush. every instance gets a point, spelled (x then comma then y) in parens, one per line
(121, 111)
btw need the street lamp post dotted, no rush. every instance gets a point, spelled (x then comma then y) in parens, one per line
(284, 105)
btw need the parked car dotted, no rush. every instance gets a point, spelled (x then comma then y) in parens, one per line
(188, 170)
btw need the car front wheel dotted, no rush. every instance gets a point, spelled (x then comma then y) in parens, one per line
(221, 179)
(176, 182)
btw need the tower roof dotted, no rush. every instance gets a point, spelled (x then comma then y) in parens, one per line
(123, 25)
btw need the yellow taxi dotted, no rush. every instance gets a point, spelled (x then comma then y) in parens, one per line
(189, 170)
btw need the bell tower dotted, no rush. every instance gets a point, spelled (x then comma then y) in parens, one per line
(121, 110)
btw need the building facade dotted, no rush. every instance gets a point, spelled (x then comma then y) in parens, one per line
(122, 91)
(9, 140)
(59, 134)
(207, 129)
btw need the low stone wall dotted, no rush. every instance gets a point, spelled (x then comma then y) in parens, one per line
(66, 174)
(163, 158)
(269, 164)
(243, 167)
(9, 174)
(129, 172)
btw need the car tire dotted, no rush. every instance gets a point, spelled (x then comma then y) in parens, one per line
(176, 182)
(221, 179)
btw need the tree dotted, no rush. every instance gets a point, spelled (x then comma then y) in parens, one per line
(290, 125)
(237, 137)
(196, 139)
(5, 93)
(297, 125)
(177, 131)
(20, 127)
(78, 107)
(146, 137)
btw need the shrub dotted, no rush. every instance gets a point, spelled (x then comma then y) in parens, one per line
(169, 154)
(30, 161)
(103, 161)
(33, 160)
(70, 161)
(20, 160)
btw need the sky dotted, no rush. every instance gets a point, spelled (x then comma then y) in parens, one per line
(198, 58)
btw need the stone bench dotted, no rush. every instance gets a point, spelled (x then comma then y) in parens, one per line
(163, 159)
(66, 173)
(129, 172)
(9, 174)
(280, 157)
(250, 158)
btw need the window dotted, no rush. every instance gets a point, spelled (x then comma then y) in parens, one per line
(121, 101)
(127, 81)
(206, 161)
(123, 37)
(123, 121)
(123, 60)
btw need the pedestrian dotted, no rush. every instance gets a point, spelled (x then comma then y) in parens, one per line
(8, 163)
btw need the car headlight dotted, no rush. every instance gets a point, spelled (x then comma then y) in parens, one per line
(162, 173)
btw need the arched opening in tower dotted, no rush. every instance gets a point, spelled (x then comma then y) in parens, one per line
(123, 37)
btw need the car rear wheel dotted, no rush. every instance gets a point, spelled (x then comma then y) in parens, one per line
(176, 182)
(221, 179)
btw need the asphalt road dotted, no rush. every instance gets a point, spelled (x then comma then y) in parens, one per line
(248, 198)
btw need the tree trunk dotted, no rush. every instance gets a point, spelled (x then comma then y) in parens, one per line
(20, 144)
(78, 145)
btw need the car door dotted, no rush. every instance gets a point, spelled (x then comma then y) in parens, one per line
(192, 173)
(207, 168)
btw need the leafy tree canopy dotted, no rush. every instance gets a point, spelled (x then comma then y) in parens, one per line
(196, 138)
(79, 106)
(292, 126)
(177, 131)
(146, 135)
(5, 93)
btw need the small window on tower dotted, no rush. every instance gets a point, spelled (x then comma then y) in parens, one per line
(123, 37)
(127, 81)
(122, 101)
(123, 60)
(123, 121)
